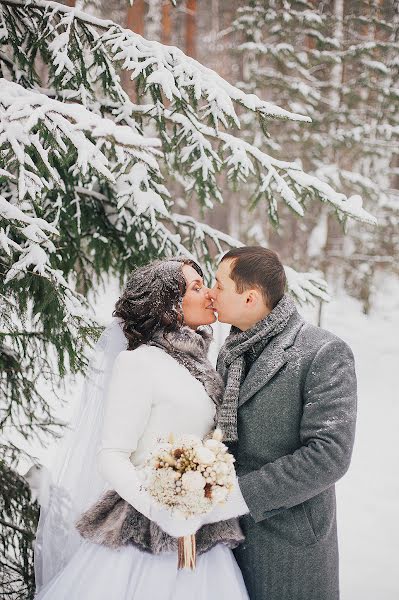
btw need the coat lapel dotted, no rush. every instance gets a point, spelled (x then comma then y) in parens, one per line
(276, 354)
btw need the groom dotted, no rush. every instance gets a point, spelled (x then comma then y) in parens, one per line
(289, 413)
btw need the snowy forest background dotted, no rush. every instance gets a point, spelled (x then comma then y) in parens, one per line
(116, 148)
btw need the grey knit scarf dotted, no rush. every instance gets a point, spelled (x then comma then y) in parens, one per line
(231, 360)
(112, 521)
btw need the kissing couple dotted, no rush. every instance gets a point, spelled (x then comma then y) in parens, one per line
(284, 396)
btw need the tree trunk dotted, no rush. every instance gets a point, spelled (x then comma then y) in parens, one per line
(191, 30)
(135, 17)
(166, 23)
(135, 22)
(336, 79)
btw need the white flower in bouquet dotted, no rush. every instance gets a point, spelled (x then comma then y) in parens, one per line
(221, 468)
(220, 494)
(212, 444)
(204, 455)
(193, 481)
(217, 435)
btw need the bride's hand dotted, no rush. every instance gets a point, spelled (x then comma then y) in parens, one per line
(171, 524)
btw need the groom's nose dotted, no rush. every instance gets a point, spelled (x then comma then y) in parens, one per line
(212, 292)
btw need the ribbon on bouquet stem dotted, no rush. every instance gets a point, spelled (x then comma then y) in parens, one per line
(187, 552)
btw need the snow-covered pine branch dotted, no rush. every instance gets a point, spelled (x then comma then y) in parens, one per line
(198, 128)
(305, 287)
(36, 135)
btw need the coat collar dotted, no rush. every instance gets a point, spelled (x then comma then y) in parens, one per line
(273, 357)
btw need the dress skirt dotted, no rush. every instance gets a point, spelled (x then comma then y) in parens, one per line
(96, 572)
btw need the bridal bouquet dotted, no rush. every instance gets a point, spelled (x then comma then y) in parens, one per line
(190, 476)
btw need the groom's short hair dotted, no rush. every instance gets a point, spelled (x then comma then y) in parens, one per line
(257, 267)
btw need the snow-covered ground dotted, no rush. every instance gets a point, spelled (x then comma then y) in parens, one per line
(367, 496)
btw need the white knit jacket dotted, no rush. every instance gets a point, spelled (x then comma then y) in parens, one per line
(150, 396)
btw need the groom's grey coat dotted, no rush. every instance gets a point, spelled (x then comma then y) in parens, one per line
(296, 425)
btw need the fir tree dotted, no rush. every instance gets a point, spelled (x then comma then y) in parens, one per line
(18, 522)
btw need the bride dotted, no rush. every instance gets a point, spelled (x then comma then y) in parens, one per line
(102, 536)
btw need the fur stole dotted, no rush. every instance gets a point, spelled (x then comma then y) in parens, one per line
(113, 522)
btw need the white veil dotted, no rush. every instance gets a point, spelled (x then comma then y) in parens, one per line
(76, 483)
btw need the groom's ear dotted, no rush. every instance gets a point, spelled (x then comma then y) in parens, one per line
(252, 297)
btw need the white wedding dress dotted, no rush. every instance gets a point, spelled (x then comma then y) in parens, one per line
(150, 395)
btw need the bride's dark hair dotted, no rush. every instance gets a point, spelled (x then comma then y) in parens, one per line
(152, 299)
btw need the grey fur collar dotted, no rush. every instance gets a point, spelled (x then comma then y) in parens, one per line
(195, 343)
(190, 349)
